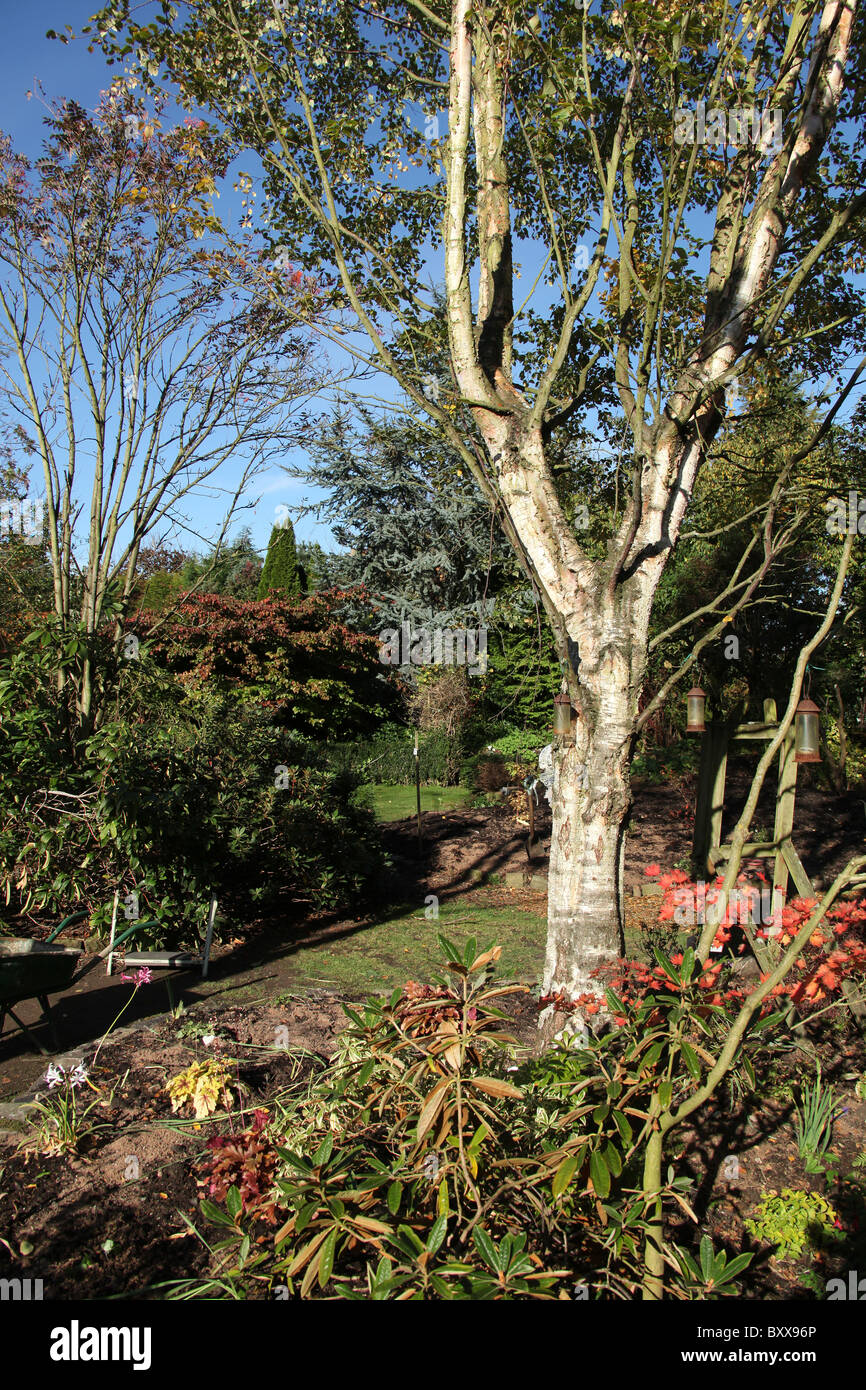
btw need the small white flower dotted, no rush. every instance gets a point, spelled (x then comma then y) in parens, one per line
(79, 1074)
(209, 1038)
(54, 1077)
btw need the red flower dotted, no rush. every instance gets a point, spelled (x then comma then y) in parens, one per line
(653, 870)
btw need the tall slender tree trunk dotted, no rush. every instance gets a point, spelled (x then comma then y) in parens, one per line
(591, 799)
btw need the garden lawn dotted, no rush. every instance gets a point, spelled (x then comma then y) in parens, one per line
(396, 802)
(403, 945)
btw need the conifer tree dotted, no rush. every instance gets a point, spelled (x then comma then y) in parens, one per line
(281, 565)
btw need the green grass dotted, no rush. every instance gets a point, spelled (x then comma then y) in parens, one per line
(397, 802)
(403, 945)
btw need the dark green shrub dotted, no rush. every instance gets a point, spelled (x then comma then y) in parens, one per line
(171, 799)
(388, 757)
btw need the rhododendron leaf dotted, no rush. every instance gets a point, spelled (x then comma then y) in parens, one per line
(600, 1176)
(564, 1174)
(691, 1060)
(622, 1125)
(326, 1260)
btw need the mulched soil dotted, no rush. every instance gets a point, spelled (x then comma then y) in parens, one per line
(108, 1221)
(95, 1231)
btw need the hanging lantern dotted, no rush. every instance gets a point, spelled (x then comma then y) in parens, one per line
(561, 715)
(696, 701)
(807, 738)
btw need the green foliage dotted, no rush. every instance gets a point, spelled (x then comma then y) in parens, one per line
(523, 675)
(715, 1271)
(280, 570)
(388, 757)
(415, 533)
(233, 571)
(791, 1219)
(60, 1123)
(659, 765)
(813, 1122)
(423, 1163)
(392, 1209)
(176, 797)
(519, 747)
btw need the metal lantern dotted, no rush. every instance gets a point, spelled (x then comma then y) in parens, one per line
(561, 715)
(806, 742)
(696, 701)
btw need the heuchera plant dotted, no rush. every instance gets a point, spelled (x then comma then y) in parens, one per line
(201, 1085)
(247, 1162)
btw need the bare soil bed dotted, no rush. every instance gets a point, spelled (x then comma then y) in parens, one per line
(98, 1225)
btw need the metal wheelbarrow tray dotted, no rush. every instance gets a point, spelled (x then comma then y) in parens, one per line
(33, 970)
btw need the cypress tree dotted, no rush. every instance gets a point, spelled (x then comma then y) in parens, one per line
(281, 566)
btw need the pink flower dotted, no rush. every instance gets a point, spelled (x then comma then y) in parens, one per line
(139, 977)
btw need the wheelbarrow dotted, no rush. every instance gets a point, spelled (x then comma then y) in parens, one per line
(33, 970)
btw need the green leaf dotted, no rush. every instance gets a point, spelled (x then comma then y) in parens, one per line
(690, 1057)
(437, 1234)
(234, 1205)
(323, 1152)
(736, 1266)
(667, 966)
(564, 1174)
(614, 1003)
(326, 1261)
(410, 1242)
(215, 1214)
(707, 1258)
(613, 1159)
(470, 951)
(449, 950)
(622, 1124)
(666, 1091)
(486, 1249)
(395, 1192)
(294, 1161)
(600, 1176)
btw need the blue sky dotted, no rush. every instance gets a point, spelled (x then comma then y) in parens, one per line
(27, 57)
(70, 70)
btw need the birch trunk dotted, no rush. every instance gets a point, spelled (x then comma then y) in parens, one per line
(591, 799)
